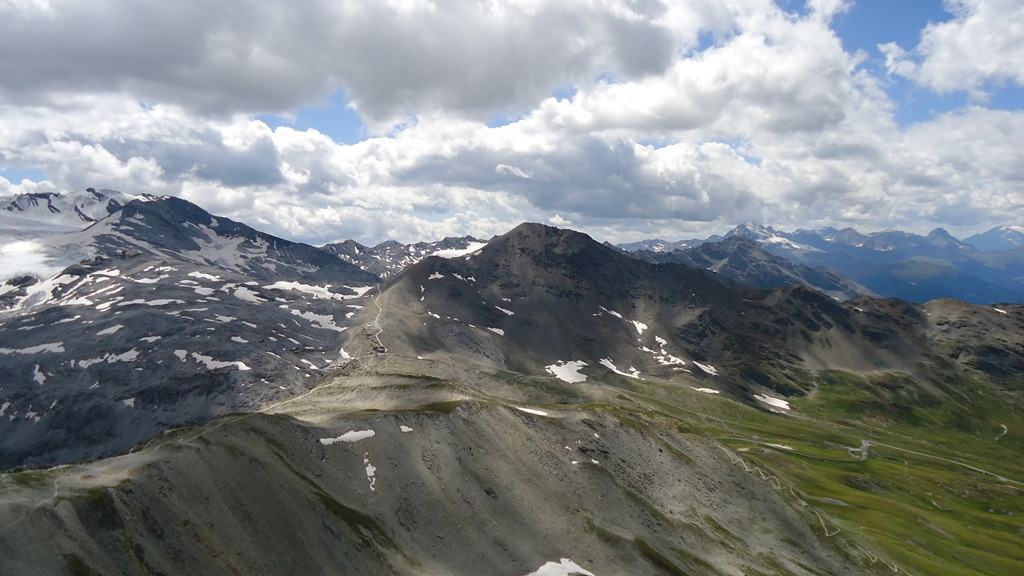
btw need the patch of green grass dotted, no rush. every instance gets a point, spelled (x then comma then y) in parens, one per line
(657, 559)
(444, 407)
(32, 478)
(362, 524)
(603, 534)
(98, 506)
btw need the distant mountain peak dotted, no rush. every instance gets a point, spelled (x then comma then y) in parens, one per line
(748, 261)
(69, 210)
(390, 257)
(1006, 237)
(767, 235)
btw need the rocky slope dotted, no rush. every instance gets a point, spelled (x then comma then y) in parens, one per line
(177, 317)
(618, 314)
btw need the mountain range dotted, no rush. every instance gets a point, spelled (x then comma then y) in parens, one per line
(983, 269)
(391, 257)
(190, 395)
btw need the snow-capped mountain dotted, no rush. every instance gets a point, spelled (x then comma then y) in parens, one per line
(29, 221)
(658, 245)
(899, 264)
(770, 237)
(173, 316)
(50, 210)
(390, 257)
(746, 261)
(1008, 237)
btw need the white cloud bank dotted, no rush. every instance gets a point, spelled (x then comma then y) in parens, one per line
(681, 117)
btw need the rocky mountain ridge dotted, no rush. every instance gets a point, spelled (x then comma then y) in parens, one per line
(899, 264)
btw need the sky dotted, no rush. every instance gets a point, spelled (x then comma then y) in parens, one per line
(319, 120)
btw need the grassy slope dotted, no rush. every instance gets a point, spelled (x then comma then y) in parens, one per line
(924, 514)
(906, 504)
(903, 508)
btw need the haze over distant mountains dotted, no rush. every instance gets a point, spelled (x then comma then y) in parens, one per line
(983, 268)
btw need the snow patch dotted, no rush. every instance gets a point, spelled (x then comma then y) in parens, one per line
(204, 276)
(564, 567)
(531, 411)
(54, 347)
(706, 367)
(778, 403)
(247, 295)
(158, 302)
(568, 371)
(640, 326)
(607, 363)
(212, 364)
(322, 321)
(371, 472)
(128, 356)
(360, 291)
(612, 312)
(109, 331)
(350, 436)
(320, 291)
(457, 252)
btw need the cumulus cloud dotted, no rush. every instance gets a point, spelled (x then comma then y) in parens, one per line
(394, 58)
(681, 118)
(980, 45)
